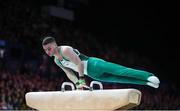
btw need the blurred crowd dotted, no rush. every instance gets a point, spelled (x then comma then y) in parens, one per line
(25, 67)
(14, 86)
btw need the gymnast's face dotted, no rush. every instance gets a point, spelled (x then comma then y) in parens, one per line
(50, 48)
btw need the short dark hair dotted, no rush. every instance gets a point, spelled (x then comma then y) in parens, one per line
(48, 40)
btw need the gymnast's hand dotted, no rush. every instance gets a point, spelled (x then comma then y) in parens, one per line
(81, 84)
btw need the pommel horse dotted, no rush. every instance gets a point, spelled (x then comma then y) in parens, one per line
(86, 100)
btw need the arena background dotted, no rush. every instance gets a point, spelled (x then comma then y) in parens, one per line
(137, 34)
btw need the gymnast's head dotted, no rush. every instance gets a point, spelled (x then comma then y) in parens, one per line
(49, 45)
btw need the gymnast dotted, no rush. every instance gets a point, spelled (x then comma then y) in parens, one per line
(70, 59)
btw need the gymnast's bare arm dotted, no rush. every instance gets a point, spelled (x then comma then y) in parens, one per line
(70, 74)
(73, 57)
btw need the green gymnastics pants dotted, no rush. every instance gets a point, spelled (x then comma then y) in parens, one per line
(104, 71)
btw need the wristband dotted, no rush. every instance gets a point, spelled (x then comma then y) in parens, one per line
(81, 81)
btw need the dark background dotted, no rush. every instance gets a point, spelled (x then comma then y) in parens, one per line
(142, 26)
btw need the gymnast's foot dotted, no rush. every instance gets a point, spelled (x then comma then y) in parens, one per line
(152, 85)
(153, 79)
